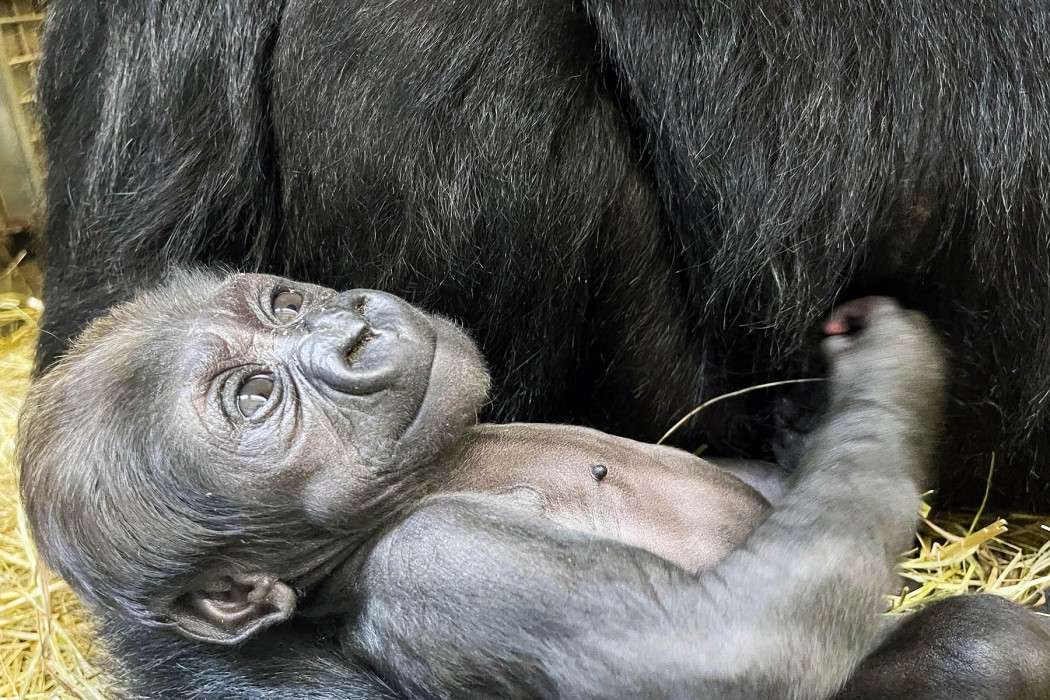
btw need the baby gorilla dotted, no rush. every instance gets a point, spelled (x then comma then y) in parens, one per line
(223, 454)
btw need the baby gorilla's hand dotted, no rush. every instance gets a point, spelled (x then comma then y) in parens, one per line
(881, 353)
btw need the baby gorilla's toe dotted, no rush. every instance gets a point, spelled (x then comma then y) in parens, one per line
(858, 325)
(855, 316)
(878, 351)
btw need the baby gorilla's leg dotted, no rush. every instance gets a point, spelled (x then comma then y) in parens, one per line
(855, 502)
(887, 372)
(974, 646)
(969, 646)
(796, 412)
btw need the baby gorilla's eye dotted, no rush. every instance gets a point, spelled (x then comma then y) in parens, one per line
(286, 305)
(253, 394)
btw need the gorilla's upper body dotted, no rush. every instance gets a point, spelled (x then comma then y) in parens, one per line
(632, 207)
(685, 509)
(238, 473)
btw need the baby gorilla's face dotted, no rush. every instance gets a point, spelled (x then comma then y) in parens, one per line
(325, 398)
(243, 419)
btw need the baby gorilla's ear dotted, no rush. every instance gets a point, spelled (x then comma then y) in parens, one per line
(233, 607)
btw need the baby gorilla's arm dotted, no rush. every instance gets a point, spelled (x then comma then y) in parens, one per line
(471, 597)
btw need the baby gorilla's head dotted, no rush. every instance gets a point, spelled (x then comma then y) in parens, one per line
(267, 425)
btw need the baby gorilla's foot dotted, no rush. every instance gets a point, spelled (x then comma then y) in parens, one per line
(877, 353)
(890, 358)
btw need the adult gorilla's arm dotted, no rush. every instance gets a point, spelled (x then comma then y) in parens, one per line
(836, 148)
(469, 596)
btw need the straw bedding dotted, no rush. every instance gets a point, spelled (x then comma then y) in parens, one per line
(45, 643)
(44, 639)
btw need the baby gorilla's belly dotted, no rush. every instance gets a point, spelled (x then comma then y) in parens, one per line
(675, 505)
(674, 516)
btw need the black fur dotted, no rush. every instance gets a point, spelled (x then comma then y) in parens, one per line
(631, 205)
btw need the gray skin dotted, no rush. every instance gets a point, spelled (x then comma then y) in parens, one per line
(473, 560)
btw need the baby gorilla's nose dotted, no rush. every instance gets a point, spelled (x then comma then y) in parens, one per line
(352, 341)
(343, 315)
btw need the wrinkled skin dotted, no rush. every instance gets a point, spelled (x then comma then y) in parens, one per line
(414, 380)
(342, 528)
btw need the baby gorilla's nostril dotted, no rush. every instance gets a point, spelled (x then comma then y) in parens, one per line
(356, 347)
(361, 340)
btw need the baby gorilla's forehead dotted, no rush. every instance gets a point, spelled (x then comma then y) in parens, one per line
(164, 340)
(237, 298)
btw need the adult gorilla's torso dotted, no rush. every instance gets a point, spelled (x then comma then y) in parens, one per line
(632, 208)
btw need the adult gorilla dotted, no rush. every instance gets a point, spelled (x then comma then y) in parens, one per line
(613, 196)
